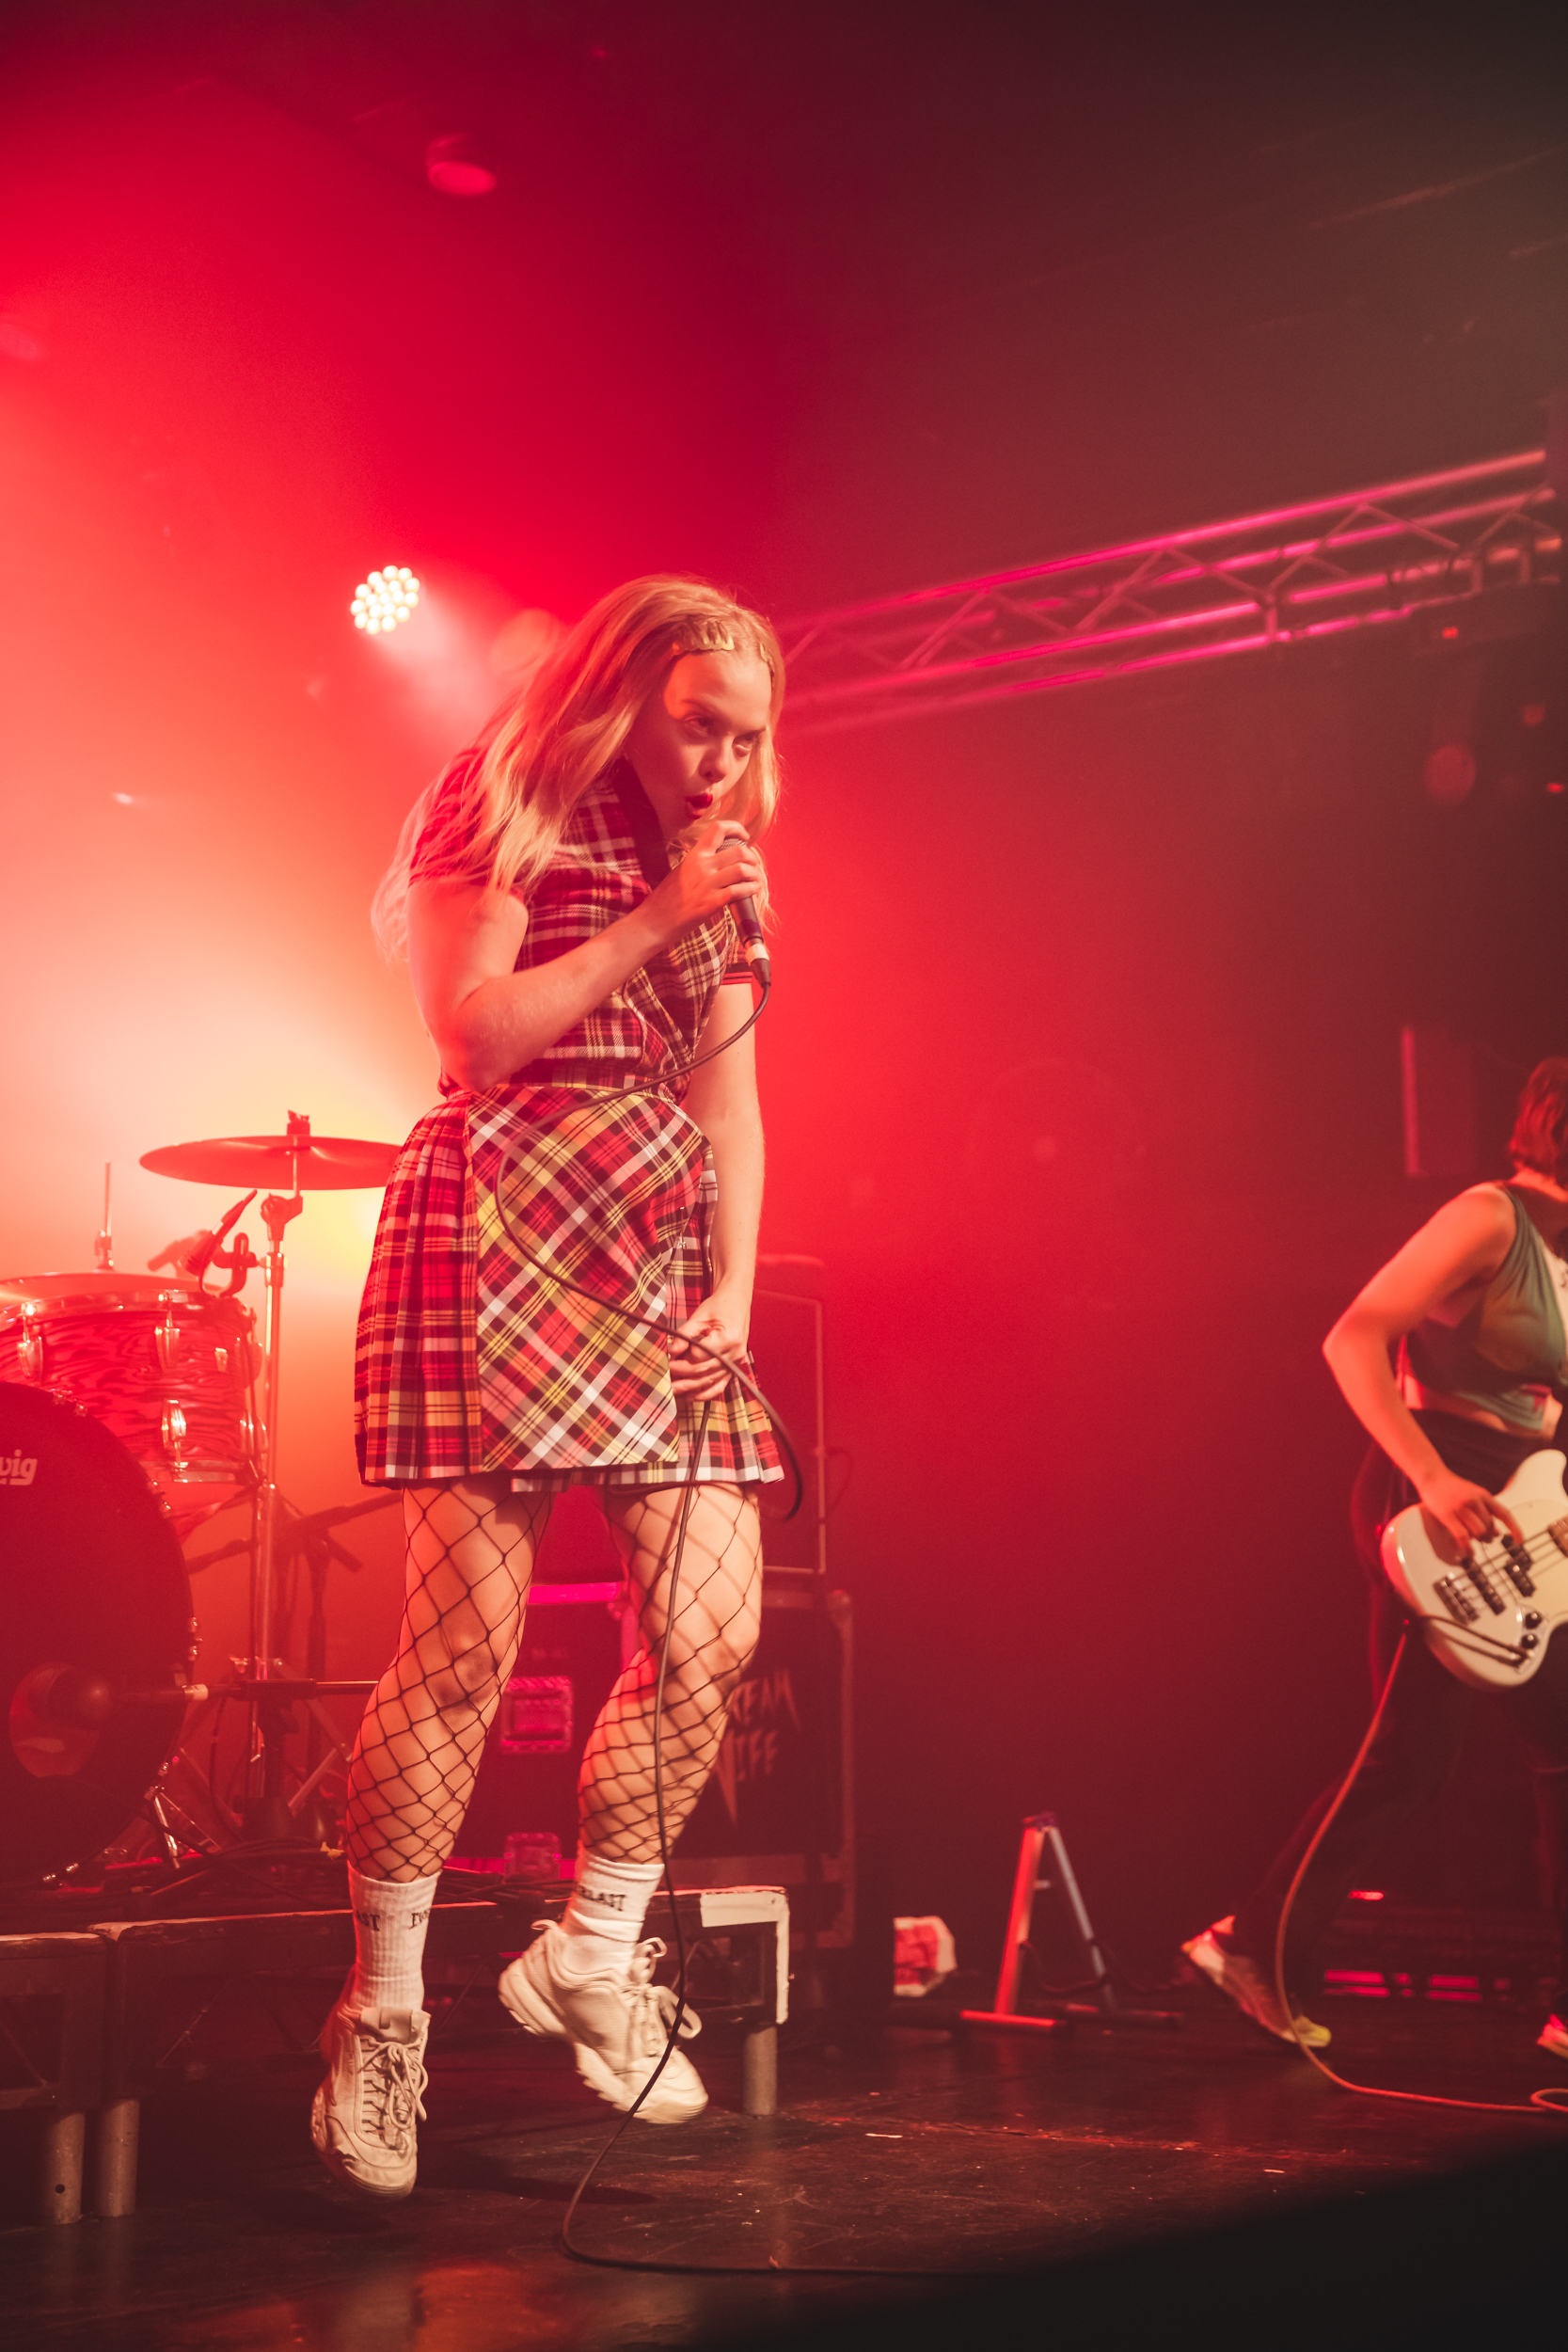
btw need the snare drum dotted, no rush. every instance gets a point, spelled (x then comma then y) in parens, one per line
(167, 1369)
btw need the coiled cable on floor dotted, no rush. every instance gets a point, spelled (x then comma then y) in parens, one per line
(1547, 2102)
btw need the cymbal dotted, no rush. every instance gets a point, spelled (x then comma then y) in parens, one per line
(325, 1163)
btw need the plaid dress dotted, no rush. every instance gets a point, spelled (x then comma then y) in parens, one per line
(469, 1359)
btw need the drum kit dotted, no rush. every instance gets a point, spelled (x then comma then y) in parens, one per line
(129, 1414)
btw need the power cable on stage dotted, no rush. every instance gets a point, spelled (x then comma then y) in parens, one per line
(1541, 2101)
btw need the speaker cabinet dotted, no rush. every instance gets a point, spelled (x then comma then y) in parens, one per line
(779, 1809)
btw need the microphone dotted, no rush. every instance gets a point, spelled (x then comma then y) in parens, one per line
(202, 1257)
(748, 924)
(747, 921)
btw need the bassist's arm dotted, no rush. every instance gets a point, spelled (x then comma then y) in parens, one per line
(1459, 1248)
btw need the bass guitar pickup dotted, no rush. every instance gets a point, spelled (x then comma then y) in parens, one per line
(1456, 1600)
(1484, 1586)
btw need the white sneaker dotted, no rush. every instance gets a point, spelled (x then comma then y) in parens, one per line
(619, 2026)
(1242, 1982)
(362, 2122)
(1554, 2037)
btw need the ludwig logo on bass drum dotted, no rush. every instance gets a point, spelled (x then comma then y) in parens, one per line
(15, 1471)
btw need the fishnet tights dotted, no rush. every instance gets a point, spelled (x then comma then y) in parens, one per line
(717, 1618)
(470, 1556)
(471, 1547)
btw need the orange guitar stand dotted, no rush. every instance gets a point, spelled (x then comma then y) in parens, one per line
(1041, 1836)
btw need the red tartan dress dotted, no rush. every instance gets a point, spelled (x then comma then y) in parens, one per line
(468, 1358)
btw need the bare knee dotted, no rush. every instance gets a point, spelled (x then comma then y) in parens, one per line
(467, 1683)
(720, 1661)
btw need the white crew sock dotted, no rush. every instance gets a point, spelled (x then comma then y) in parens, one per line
(603, 1919)
(389, 1924)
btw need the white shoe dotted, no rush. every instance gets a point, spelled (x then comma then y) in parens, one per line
(1554, 2037)
(619, 2026)
(1242, 1982)
(362, 2122)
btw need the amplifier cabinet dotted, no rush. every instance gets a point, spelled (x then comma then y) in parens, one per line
(779, 1809)
(527, 1781)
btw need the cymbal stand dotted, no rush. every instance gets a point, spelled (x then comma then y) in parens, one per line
(277, 1211)
(265, 1685)
(266, 1814)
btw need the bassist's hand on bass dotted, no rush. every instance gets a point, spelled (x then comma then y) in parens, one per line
(1464, 1510)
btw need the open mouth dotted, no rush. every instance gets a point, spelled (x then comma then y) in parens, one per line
(697, 801)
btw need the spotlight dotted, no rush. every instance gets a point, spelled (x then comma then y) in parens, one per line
(385, 598)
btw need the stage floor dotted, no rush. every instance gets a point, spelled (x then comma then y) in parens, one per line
(975, 2157)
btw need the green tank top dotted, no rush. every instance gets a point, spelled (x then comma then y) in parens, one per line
(1509, 1346)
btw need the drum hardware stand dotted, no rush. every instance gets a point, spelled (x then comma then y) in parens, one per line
(269, 1817)
(277, 1213)
(104, 1248)
(1041, 1833)
(274, 1694)
(265, 1684)
(174, 1825)
(266, 1813)
(312, 1536)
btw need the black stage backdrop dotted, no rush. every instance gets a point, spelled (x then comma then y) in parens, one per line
(1091, 1101)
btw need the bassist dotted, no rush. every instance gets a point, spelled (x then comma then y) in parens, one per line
(1455, 1361)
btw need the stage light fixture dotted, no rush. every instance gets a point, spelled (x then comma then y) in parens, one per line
(385, 598)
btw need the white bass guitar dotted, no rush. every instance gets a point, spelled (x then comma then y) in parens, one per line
(1487, 1615)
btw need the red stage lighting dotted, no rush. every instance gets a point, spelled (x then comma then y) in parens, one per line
(453, 168)
(385, 598)
(17, 341)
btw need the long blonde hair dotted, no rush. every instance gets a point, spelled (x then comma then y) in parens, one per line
(540, 752)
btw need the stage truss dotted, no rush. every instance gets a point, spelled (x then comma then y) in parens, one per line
(1285, 578)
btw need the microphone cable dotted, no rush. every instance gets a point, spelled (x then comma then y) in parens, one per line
(672, 1330)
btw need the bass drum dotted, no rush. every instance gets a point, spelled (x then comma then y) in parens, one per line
(95, 1634)
(169, 1370)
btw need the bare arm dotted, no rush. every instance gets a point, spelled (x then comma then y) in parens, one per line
(722, 1100)
(1458, 1250)
(486, 1019)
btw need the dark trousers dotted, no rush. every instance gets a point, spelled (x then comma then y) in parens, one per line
(1423, 1725)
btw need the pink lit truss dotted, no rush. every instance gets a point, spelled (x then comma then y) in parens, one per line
(1283, 577)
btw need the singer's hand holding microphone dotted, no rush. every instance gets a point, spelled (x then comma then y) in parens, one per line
(721, 869)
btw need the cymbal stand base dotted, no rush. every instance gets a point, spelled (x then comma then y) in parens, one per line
(264, 1816)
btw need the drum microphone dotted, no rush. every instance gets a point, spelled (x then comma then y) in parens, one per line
(202, 1255)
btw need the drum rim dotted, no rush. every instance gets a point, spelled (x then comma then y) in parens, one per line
(18, 1297)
